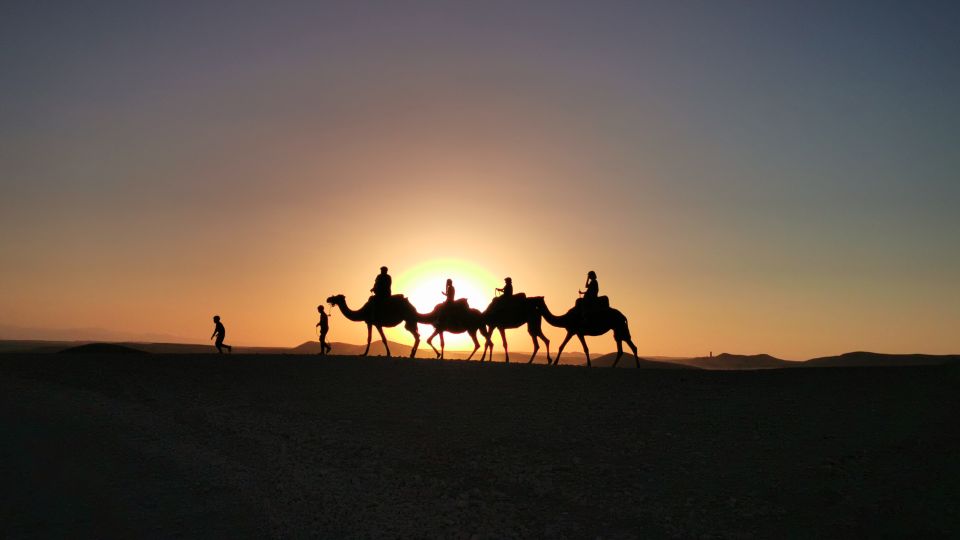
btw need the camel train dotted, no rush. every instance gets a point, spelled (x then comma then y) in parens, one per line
(590, 316)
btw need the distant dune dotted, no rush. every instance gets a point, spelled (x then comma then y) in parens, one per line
(871, 359)
(723, 361)
(736, 361)
(103, 348)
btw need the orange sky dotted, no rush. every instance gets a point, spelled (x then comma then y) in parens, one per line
(731, 182)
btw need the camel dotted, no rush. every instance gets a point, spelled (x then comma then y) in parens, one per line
(596, 323)
(514, 312)
(456, 318)
(390, 313)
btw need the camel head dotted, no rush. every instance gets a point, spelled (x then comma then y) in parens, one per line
(337, 299)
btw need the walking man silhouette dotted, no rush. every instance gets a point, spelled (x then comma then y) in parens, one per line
(324, 325)
(220, 332)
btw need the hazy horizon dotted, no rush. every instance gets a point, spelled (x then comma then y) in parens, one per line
(770, 178)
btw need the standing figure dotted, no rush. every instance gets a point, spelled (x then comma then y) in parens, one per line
(450, 292)
(324, 325)
(220, 332)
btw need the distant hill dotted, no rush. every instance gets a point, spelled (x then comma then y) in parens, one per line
(871, 359)
(103, 348)
(626, 361)
(725, 361)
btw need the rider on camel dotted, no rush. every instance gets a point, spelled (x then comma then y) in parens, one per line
(382, 284)
(450, 293)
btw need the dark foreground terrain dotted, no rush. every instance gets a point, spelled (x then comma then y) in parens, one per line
(246, 446)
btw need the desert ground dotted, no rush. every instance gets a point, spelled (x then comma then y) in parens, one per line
(101, 445)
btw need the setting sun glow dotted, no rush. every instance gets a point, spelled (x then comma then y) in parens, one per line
(424, 284)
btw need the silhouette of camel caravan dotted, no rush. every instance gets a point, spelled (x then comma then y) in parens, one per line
(590, 316)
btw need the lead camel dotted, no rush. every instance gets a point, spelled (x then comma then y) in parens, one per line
(389, 312)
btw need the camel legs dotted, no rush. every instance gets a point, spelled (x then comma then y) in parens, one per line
(619, 353)
(412, 328)
(503, 337)
(384, 339)
(430, 342)
(476, 344)
(623, 334)
(536, 347)
(369, 333)
(562, 345)
(442, 346)
(487, 344)
(534, 335)
(586, 350)
(547, 343)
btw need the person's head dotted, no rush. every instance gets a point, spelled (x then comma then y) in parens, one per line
(507, 280)
(216, 318)
(383, 269)
(449, 282)
(320, 308)
(592, 275)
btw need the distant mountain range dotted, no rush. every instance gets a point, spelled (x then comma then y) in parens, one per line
(870, 359)
(736, 361)
(724, 361)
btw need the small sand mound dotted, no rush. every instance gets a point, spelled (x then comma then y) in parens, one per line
(102, 348)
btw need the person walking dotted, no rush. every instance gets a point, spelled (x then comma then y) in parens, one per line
(220, 333)
(324, 326)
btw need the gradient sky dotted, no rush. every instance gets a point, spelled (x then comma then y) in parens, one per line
(777, 177)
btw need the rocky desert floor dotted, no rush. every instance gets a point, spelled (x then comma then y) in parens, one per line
(342, 447)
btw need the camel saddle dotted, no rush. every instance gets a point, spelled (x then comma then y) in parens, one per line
(602, 302)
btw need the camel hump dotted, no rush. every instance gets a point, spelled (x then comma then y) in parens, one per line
(520, 296)
(463, 303)
(603, 301)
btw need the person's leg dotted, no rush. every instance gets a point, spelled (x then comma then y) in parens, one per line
(219, 344)
(323, 343)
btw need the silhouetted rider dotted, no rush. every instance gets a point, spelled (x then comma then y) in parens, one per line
(450, 292)
(593, 288)
(507, 289)
(382, 284)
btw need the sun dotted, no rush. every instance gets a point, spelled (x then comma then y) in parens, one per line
(424, 283)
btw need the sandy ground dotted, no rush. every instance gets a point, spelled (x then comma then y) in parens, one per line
(250, 446)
